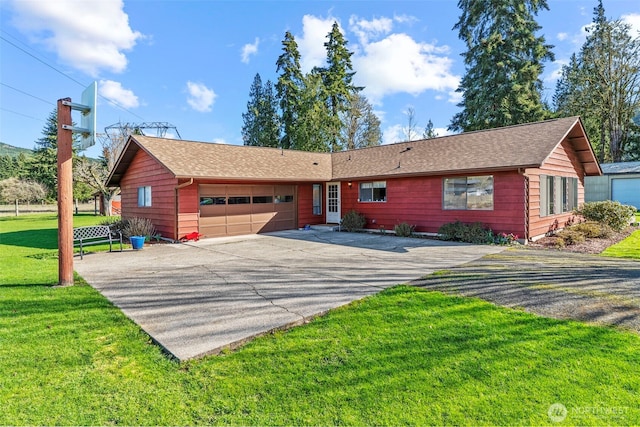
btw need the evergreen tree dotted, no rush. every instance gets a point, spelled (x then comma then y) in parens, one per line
(260, 122)
(602, 84)
(503, 61)
(360, 125)
(337, 78)
(288, 89)
(429, 131)
(43, 166)
(313, 131)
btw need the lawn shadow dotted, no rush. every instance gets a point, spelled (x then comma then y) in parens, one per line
(38, 239)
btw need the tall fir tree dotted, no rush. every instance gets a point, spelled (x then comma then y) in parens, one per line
(602, 84)
(288, 90)
(338, 81)
(314, 132)
(429, 131)
(504, 60)
(260, 121)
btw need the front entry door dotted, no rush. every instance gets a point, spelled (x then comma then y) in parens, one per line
(333, 202)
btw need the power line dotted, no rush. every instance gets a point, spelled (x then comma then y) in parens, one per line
(115, 104)
(20, 114)
(28, 94)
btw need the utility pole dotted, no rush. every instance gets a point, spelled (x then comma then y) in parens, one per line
(65, 193)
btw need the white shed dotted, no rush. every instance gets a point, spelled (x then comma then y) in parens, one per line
(619, 182)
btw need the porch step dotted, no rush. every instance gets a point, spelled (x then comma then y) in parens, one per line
(325, 227)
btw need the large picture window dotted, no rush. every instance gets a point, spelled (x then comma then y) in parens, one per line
(558, 194)
(144, 196)
(468, 193)
(373, 191)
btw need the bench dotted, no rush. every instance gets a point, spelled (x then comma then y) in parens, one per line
(94, 235)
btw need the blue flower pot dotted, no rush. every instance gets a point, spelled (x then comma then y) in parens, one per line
(137, 242)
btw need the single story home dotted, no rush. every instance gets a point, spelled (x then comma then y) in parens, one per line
(619, 182)
(523, 179)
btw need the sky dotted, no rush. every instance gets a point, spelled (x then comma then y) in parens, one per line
(191, 62)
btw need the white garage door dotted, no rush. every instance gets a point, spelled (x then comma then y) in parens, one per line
(626, 191)
(229, 210)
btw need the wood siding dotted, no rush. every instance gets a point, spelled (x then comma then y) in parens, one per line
(563, 161)
(418, 201)
(305, 205)
(145, 171)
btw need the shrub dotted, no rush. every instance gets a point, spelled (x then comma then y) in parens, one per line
(570, 236)
(505, 239)
(470, 233)
(404, 229)
(593, 229)
(353, 221)
(614, 214)
(136, 226)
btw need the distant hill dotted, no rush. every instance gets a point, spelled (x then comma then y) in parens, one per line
(6, 149)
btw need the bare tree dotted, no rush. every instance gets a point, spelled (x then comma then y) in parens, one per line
(410, 131)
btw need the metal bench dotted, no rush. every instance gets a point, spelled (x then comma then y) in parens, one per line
(94, 235)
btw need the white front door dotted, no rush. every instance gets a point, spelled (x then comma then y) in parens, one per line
(333, 203)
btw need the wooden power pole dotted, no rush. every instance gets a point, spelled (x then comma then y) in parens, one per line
(65, 194)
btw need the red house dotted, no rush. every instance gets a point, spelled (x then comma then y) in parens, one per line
(523, 179)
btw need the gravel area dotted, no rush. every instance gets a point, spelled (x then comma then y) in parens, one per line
(559, 284)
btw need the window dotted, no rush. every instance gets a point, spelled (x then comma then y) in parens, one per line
(284, 199)
(373, 191)
(144, 196)
(317, 199)
(239, 200)
(208, 201)
(558, 194)
(468, 193)
(262, 199)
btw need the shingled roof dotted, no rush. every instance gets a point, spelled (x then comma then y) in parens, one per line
(507, 148)
(190, 159)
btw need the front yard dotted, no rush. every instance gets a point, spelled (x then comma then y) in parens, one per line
(404, 356)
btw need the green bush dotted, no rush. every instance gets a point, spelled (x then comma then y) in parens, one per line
(593, 229)
(353, 221)
(614, 214)
(469, 233)
(570, 236)
(404, 229)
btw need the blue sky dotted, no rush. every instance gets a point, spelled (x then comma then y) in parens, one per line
(191, 63)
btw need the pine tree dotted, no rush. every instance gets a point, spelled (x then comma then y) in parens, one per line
(429, 131)
(337, 78)
(288, 89)
(251, 119)
(602, 84)
(503, 61)
(360, 125)
(313, 131)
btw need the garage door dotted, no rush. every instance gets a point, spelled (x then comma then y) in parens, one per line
(229, 210)
(626, 191)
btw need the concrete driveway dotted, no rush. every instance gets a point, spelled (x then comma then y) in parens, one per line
(200, 297)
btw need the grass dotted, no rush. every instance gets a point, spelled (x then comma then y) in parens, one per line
(404, 356)
(628, 248)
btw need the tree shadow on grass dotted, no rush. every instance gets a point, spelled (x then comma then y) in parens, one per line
(38, 239)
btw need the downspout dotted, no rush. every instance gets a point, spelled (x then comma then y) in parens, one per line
(177, 190)
(526, 203)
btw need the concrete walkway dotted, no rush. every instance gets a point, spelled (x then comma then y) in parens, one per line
(198, 298)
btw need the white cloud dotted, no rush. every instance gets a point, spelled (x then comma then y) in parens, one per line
(115, 92)
(219, 141)
(311, 44)
(632, 19)
(200, 98)
(89, 35)
(562, 36)
(374, 28)
(249, 49)
(394, 133)
(398, 64)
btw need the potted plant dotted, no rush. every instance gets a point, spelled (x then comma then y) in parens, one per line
(138, 230)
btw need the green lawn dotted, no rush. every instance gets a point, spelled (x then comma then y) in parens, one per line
(404, 356)
(628, 248)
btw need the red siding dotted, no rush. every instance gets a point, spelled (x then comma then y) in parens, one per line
(188, 206)
(145, 171)
(418, 201)
(305, 205)
(562, 162)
